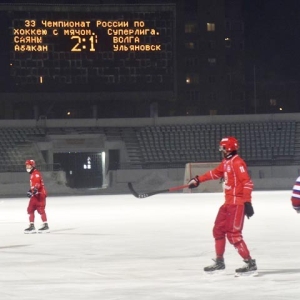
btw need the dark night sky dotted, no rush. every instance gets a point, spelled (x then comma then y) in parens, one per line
(272, 29)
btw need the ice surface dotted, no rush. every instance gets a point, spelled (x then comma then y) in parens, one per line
(121, 247)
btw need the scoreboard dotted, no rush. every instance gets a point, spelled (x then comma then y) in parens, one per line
(87, 48)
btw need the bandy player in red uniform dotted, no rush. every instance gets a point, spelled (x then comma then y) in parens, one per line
(37, 194)
(229, 222)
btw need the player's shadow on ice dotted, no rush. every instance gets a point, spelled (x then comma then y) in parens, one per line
(62, 230)
(66, 231)
(13, 246)
(266, 272)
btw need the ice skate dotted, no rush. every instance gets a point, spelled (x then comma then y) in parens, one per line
(249, 269)
(217, 267)
(44, 228)
(30, 229)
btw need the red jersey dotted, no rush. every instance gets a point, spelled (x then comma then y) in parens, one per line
(36, 181)
(238, 185)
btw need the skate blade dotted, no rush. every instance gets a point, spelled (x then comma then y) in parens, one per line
(43, 231)
(247, 274)
(29, 232)
(216, 272)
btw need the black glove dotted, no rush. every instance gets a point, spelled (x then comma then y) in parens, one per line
(194, 182)
(249, 211)
(29, 194)
(35, 191)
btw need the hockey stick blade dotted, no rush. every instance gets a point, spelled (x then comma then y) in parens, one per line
(145, 195)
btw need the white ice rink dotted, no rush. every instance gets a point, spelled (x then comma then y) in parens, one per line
(120, 247)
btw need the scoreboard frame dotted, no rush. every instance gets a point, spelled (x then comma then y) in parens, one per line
(94, 48)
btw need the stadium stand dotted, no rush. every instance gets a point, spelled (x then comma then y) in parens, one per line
(17, 144)
(173, 145)
(259, 142)
(147, 152)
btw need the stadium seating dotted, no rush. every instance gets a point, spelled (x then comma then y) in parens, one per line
(260, 142)
(16, 145)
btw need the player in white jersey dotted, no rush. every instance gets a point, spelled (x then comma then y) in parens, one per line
(296, 196)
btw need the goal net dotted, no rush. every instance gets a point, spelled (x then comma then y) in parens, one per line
(193, 169)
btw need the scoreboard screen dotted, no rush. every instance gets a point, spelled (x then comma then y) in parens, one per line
(87, 48)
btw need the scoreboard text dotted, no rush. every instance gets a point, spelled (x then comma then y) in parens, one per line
(83, 35)
(90, 49)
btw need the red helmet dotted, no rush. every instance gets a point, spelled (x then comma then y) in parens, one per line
(229, 144)
(30, 162)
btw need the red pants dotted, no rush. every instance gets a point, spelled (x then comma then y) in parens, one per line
(229, 223)
(37, 203)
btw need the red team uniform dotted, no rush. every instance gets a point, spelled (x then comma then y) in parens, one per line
(37, 194)
(229, 222)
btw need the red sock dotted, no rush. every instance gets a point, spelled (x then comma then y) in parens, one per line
(220, 247)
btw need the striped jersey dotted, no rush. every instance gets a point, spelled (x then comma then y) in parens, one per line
(296, 195)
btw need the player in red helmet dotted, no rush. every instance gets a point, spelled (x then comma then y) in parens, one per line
(37, 194)
(229, 222)
(228, 145)
(31, 163)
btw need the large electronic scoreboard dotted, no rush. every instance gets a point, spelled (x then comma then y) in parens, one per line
(87, 48)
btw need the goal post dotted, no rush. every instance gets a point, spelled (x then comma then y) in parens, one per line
(193, 169)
